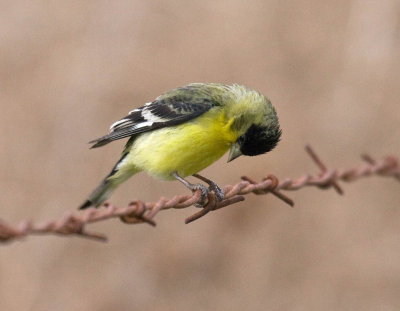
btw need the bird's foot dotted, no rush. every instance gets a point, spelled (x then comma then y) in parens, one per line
(204, 194)
(212, 186)
(219, 193)
(217, 190)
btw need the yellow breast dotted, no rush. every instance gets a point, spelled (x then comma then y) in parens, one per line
(186, 149)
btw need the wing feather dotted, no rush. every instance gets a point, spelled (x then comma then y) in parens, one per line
(172, 108)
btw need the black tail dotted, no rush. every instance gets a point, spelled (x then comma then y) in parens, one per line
(111, 137)
(86, 205)
(118, 175)
(121, 172)
(103, 191)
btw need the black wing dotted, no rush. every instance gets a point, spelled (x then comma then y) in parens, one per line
(172, 108)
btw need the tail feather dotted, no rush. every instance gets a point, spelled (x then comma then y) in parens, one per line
(86, 205)
(121, 172)
(109, 138)
(102, 192)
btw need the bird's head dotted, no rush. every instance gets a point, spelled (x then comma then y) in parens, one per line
(262, 131)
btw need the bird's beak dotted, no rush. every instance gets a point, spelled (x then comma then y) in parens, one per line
(234, 152)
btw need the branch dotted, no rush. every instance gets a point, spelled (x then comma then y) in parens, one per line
(142, 212)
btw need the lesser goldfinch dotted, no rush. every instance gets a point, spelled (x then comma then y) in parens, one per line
(187, 129)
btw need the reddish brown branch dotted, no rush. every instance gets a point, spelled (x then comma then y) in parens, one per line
(144, 212)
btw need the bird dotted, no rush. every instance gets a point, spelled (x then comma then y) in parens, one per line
(185, 130)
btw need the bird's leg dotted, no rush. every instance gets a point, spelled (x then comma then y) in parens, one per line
(193, 188)
(212, 186)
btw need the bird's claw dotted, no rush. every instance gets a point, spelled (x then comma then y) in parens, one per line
(219, 193)
(217, 190)
(204, 194)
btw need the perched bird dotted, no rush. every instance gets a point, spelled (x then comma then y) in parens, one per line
(187, 129)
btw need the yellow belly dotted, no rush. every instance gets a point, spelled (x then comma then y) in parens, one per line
(186, 149)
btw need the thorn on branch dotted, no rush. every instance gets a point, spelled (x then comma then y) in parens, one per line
(211, 204)
(272, 188)
(137, 215)
(331, 182)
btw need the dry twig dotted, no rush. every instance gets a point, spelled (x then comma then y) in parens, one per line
(141, 212)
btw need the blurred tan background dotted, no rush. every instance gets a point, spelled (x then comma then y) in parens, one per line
(68, 69)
